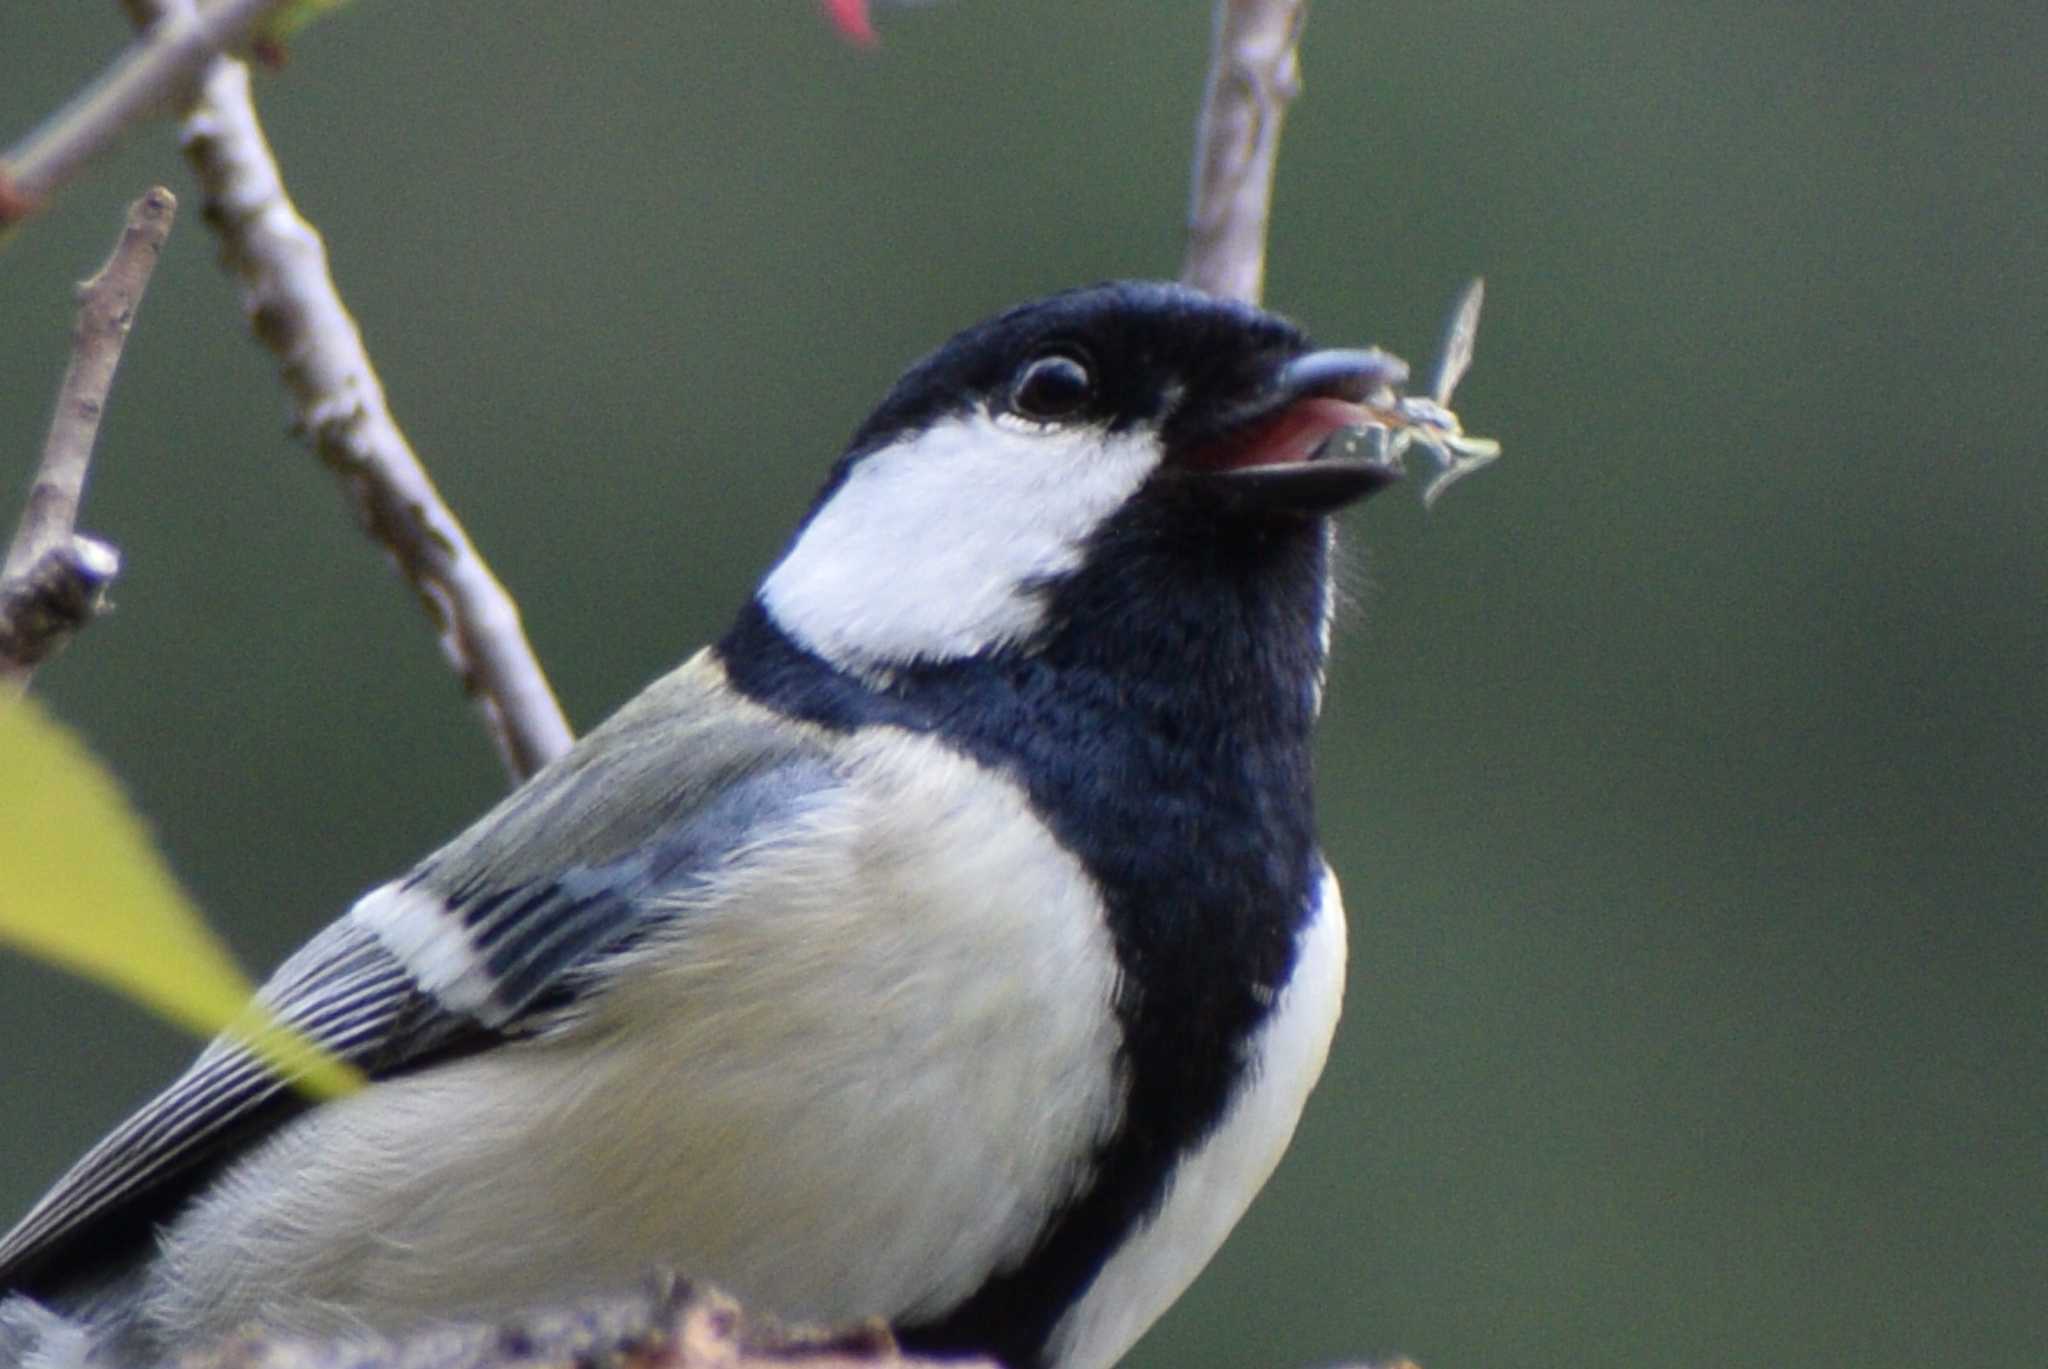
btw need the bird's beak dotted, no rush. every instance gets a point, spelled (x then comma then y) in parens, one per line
(1277, 455)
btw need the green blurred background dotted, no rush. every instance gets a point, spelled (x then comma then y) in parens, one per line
(1686, 771)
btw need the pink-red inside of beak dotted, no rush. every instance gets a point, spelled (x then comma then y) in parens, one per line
(1291, 435)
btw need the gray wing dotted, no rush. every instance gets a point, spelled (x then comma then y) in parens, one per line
(492, 938)
(343, 990)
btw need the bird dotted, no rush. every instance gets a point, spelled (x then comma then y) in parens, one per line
(950, 941)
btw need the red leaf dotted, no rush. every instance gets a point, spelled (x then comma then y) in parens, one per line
(850, 17)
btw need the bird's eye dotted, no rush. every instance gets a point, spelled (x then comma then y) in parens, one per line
(1052, 386)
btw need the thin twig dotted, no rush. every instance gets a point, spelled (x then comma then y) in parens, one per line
(296, 311)
(54, 579)
(106, 310)
(1254, 74)
(151, 75)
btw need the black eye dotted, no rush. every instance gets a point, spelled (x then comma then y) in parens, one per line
(1052, 386)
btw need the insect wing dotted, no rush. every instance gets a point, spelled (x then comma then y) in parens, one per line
(1459, 335)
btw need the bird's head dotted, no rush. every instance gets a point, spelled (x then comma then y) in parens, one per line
(1128, 431)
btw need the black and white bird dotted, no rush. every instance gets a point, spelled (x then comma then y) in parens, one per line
(950, 942)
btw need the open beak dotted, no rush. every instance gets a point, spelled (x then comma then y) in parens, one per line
(1278, 455)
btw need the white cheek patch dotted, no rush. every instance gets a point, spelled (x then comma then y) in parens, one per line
(933, 547)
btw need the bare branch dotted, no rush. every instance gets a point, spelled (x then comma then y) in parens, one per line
(1254, 74)
(298, 314)
(146, 79)
(53, 580)
(106, 311)
(296, 311)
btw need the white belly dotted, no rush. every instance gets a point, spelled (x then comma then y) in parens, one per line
(858, 1079)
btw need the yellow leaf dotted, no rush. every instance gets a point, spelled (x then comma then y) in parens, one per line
(82, 886)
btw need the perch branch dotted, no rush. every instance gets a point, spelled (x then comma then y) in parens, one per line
(149, 76)
(1254, 74)
(54, 578)
(668, 1324)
